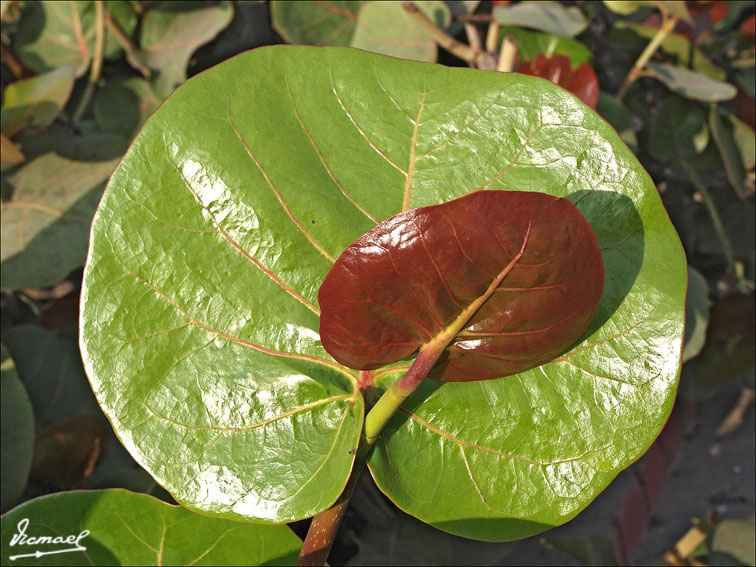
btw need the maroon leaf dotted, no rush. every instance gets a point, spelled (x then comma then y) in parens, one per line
(582, 82)
(519, 273)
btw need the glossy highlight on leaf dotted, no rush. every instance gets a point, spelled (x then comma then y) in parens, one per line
(531, 256)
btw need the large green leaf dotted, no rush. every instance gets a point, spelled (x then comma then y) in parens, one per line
(199, 326)
(315, 23)
(117, 527)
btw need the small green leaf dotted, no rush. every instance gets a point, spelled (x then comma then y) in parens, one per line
(690, 84)
(116, 527)
(550, 17)
(696, 314)
(315, 23)
(172, 31)
(37, 101)
(387, 28)
(679, 129)
(122, 106)
(618, 116)
(17, 442)
(627, 7)
(735, 140)
(45, 225)
(531, 42)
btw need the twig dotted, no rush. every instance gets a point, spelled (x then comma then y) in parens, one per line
(668, 24)
(133, 54)
(734, 419)
(96, 67)
(473, 36)
(461, 50)
(715, 218)
(492, 37)
(508, 55)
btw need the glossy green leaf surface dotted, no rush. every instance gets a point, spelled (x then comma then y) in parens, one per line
(315, 23)
(44, 224)
(117, 527)
(17, 441)
(199, 306)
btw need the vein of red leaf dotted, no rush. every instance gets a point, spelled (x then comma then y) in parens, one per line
(606, 340)
(361, 339)
(385, 90)
(495, 235)
(514, 333)
(401, 314)
(419, 296)
(177, 227)
(246, 254)
(273, 188)
(460, 442)
(263, 423)
(232, 338)
(360, 130)
(83, 50)
(536, 287)
(461, 249)
(411, 171)
(514, 160)
(336, 10)
(465, 127)
(435, 266)
(317, 151)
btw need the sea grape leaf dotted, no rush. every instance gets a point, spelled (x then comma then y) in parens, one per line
(124, 528)
(690, 84)
(617, 114)
(172, 31)
(532, 258)
(727, 131)
(10, 154)
(550, 17)
(35, 102)
(696, 314)
(673, 8)
(199, 321)
(315, 23)
(121, 107)
(53, 34)
(17, 442)
(45, 223)
(49, 365)
(531, 42)
(387, 28)
(582, 81)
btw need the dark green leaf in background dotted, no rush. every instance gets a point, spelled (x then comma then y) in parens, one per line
(614, 112)
(35, 102)
(17, 442)
(550, 17)
(199, 319)
(735, 140)
(54, 34)
(45, 224)
(122, 106)
(315, 23)
(135, 529)
(172, 31)
(696, 314)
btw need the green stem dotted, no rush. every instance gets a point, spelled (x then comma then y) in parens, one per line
(668, 24)
(97, 57)
(715, 218)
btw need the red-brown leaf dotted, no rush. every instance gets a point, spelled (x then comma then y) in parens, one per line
(582, 82)
(398, 286)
